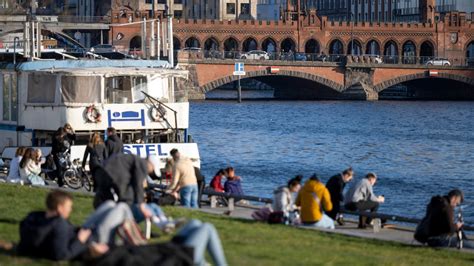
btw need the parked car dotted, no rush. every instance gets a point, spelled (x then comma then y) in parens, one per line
(191, 49)
(438, 62)
(255, 54)
(103, 48)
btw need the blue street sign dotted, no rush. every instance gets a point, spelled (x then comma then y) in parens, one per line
(239, 69)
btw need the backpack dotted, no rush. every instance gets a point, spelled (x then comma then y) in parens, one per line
(277, 217)
(130, 233)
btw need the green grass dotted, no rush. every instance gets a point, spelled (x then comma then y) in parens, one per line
(245, 242)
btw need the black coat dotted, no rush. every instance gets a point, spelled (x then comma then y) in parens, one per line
(124, 173)
(113, 145)
(335, 186)
(97, 154)
(51, 238)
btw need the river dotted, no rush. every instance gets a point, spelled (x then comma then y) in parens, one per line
(417, 149)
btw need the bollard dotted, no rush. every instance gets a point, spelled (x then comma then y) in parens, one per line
(231, 204)
(213, 201)
(377, 225)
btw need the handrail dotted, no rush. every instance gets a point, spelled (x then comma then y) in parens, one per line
(153, 100)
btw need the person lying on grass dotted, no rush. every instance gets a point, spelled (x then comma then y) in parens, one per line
(50, 235)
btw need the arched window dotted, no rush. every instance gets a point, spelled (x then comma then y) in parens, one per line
(192, 43)
(373, 48)
(426, 51)
(390, 52)
(249, 44)
(311, 47)
(409, 53)
(269, 46)
(336, 48)
(288, 45)
(354, 48)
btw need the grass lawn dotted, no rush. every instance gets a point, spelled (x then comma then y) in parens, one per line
(245, 242)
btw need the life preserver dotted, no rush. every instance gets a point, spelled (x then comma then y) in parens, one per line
(157, 114)
(92, 114)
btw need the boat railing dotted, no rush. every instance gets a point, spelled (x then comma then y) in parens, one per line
(156, 104)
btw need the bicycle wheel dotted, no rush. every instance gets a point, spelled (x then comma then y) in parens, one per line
(71, 179)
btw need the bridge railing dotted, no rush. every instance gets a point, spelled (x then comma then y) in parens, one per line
(198, 53)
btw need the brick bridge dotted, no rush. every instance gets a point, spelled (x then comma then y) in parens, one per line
(323, 80)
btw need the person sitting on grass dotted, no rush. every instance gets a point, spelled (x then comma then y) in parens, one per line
(30, 167)
(233, 183)
(313, 198)
(14, 172)
(283, 198)
(50, 235)
(361, 197)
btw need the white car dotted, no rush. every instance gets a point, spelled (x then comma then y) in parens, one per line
(438, 62)
(255, 54)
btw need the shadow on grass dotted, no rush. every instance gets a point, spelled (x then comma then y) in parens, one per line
(9, 221)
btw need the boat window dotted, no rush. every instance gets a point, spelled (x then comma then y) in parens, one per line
(125, 89)
(80, 89)
(41, 88)
(10, 93)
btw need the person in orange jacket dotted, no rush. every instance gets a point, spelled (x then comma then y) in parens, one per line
(313, 198)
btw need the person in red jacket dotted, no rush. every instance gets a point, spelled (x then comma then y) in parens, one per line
(216, 182)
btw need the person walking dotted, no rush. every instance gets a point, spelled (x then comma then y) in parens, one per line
(61, 144)
(361, 197)
(336, 185)
(96, 150)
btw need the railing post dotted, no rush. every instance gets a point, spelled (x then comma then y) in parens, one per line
(213, 201)
(231, 204)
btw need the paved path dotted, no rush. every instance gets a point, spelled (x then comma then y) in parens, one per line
(395, 233)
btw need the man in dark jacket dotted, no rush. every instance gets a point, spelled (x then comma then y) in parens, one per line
(113, 144)
(336, 185)
(50, 235)
(439, 228)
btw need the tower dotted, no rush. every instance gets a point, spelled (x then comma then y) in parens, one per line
(427, 10)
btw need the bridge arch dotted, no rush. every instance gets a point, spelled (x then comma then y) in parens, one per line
(176, 43)
(426, 51)
(354, 47)
(470, 49)
(135, 43)
(421, 75)
(409, 52)
(288, 44)
(335, 47)
(262, 73)
(372, 47)
(312, 46)
(249, 44)
(192, 41)
(269, 45)
(211, 43)
(390, 52)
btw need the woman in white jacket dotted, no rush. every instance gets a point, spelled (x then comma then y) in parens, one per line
(14, 172)
(282, 196)
(30, 167)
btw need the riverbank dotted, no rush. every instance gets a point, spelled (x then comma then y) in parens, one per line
(245, 242)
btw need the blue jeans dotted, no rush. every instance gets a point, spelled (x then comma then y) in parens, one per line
(189, 196)
(201, 237)
(106, 218)
(152, 207)
(326, 222)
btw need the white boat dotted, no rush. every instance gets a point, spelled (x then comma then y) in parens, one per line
(136, 97)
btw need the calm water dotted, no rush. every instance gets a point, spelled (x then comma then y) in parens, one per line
(418, 149)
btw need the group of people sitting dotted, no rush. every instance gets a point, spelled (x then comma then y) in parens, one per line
(319, 205)
(232, 184)
(119, 203)
(25, 167)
